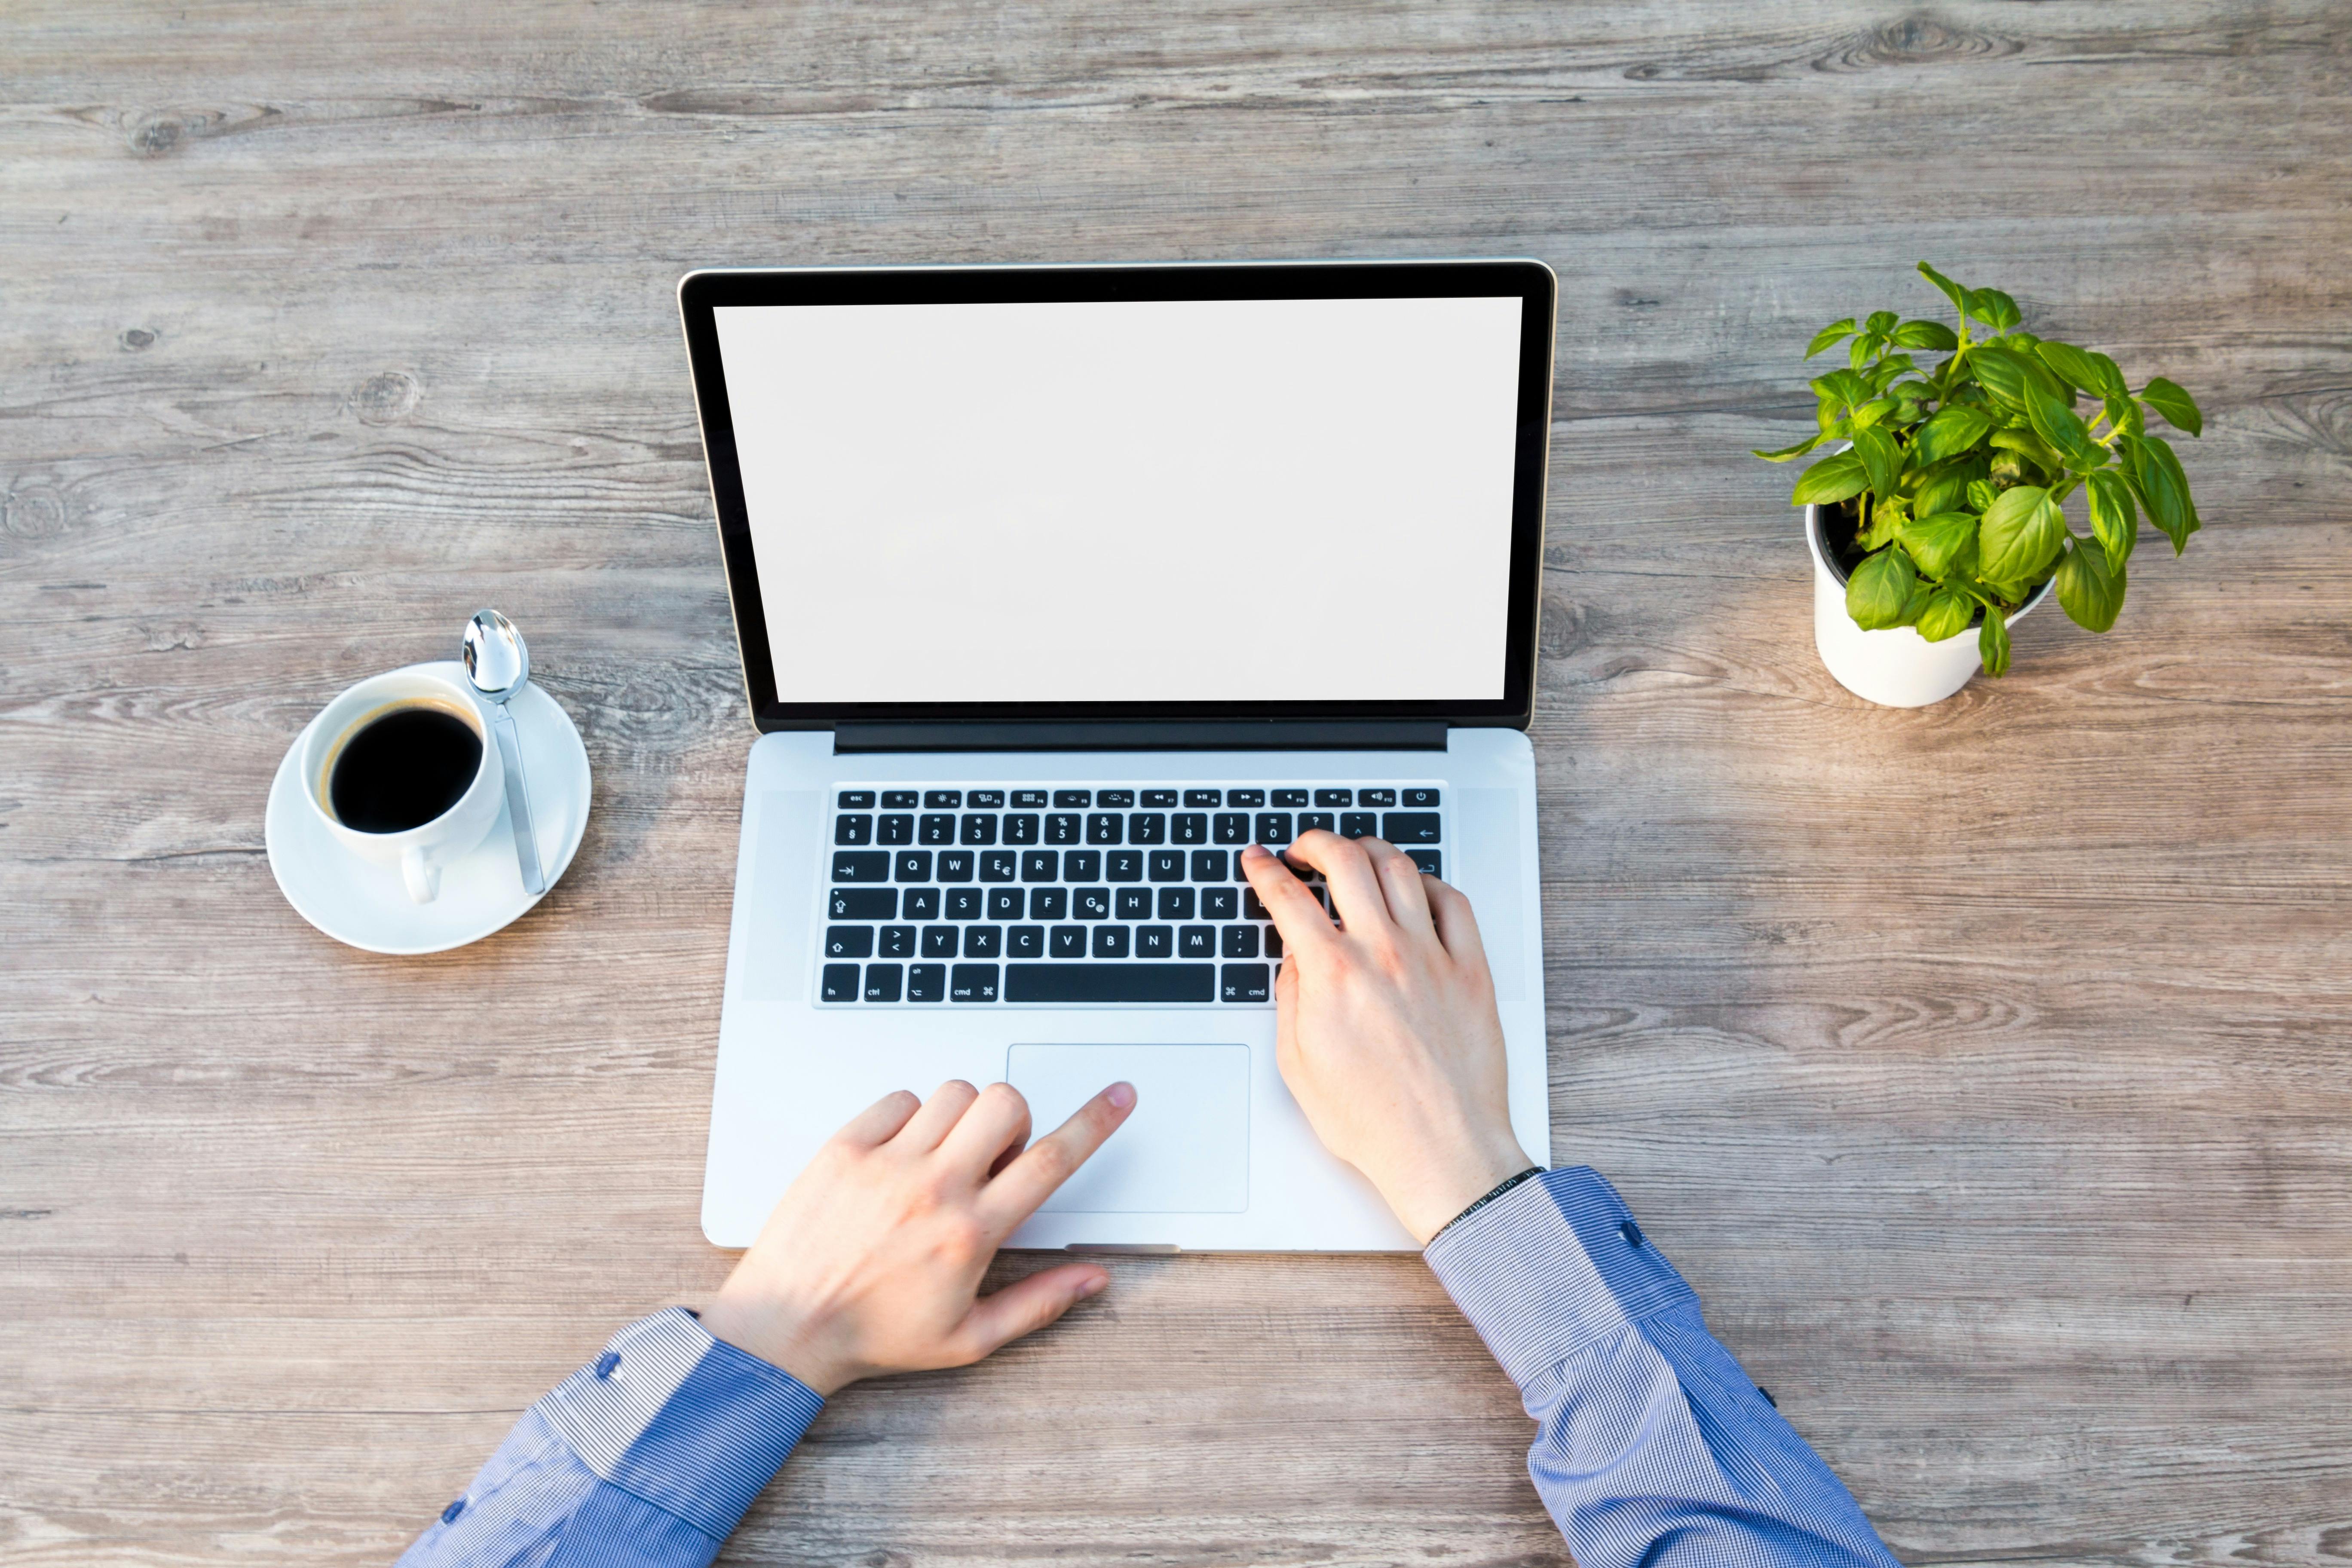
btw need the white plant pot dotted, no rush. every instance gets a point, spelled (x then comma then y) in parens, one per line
(1900, 669)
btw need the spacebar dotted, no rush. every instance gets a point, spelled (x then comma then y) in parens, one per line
(1111, 982)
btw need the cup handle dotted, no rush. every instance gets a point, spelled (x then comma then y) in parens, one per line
(424, 878)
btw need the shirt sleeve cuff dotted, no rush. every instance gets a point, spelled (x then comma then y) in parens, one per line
(1551, 1265)
(688, 1423)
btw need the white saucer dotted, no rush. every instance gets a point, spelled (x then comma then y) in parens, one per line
(365, 904)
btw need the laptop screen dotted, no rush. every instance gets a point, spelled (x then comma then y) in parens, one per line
(1156, 504)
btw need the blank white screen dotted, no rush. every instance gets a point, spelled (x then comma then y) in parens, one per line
(1135, 501)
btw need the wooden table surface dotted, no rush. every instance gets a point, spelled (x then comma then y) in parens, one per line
(1984, 1066)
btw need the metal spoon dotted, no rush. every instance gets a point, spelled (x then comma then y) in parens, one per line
(499, 664)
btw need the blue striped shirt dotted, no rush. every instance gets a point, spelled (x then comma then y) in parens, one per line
(1653, 1446)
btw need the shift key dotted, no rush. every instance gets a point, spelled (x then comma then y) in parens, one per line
(1410, 827)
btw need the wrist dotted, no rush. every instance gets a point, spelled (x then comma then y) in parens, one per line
(777, 1336)
(1442, 1191)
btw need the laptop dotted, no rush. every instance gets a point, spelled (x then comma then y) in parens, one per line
(1056, 586)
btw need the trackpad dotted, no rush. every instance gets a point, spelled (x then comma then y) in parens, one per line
(1185, 1148)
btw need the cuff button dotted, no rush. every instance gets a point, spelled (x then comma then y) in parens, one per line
(449, 1515)
(606, 1362)
(1632, 1233)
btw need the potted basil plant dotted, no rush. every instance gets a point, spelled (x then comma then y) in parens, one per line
(1941, 506)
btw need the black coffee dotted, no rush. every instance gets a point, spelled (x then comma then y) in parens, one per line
(404, 770)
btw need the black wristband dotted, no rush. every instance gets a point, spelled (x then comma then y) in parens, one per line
(1490, 1197)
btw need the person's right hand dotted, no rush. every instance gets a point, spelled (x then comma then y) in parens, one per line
(1385, 1025)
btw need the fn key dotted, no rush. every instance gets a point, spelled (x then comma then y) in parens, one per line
(1245, 983)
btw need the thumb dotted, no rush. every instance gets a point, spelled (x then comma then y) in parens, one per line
(1026, 1306)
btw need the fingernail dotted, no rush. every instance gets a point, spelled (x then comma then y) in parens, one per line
(1257, 849)
(1094, 1287)
(1121, 1095)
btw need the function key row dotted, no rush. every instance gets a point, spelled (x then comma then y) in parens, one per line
(873, 867)
(852, 829)
(1127, 799)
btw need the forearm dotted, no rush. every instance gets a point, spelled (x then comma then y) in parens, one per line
(1653, 1446)
(648, 1455)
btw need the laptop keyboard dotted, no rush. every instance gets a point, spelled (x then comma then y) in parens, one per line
(1129, 893)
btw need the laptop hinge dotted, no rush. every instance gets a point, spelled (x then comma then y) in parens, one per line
(1113, 735)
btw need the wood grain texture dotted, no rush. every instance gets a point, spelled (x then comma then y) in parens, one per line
(1985, 1067)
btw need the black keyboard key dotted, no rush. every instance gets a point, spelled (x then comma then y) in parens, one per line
(979, 827)
(1029, 797)
(943, 800)
(1021, 828)
(1189, 827)
(1273, 942)
(1209, 864)
(1133, 903)
(926, 982)
(1409, 826)
(1163, 798)
(1004, 903)
(965, 903)
(1240, 942)
(853, 830)
(1382, 797)
(1091, 903)
(1427, 860)
(900, 800)
(985, 800)
(1111, 982)
(912, 865)
(1246, 983)
(973, 983)
(1274, 828)
(856, 800)
(1123, 866)
(1232, 827)
(955, 865)
(1065, 828)
(1221, 903)
(1253, 798)
(920, 904)
(1358, 824)
(1121, 799)
(1102, 827)
(882, 982)
(1308, 821)
(939, 941)
(1069, 941)
(849, 942)
(864, 904)
(1039, 866)
(1291, 797)
(1176, 904)
(1205, 799)
(939, 829)
(1074, 799)
(1335, 797)
(895, 829)
(1155, 941)
(1197, 941)
(999, 865)
(1423, 798)
(984, 941)
(840, 983)
(1111, 942)
(1082, 865)
(861, 865)
(898, 941)
(1025, 942)
(1049, 903)
(1253, 909)
(1147, 827)
(1166, 865)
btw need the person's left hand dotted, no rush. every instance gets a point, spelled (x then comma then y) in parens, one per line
(872, 1260)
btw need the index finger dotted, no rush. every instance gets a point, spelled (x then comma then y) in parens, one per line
(1296, 914)
(1044, 1165)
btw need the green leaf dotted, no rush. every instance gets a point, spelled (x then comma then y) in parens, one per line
(1939, 540)
(1881, 460)
(1953, 430)
(1833, 478)
(1947, 616)
(2178, 407)
(2055, 422)
(1879, 590)
(2125, 415)
(2071, 365)
(2018, 342)
(1952, 291)
(2029, 445)
(1992, 643)
(2111, 377)
(1926, 335)
(1882, 373)
(2091, 591)
(1835, 331)
(1873, 412)
(1981, 494)
(1842, 384)
(2002, 375)
(1786, 453)
(2021, 532)
(2160, 476)
(1946, 492)
(1880, 322)
(2113, 517)
(1993, 308)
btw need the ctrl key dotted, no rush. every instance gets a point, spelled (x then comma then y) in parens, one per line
(1246, 983)
(971, 983)
(881, 982)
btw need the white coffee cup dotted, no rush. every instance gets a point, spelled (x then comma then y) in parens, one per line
(420, 852)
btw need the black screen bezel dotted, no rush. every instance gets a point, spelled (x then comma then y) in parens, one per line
(1532, 282)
